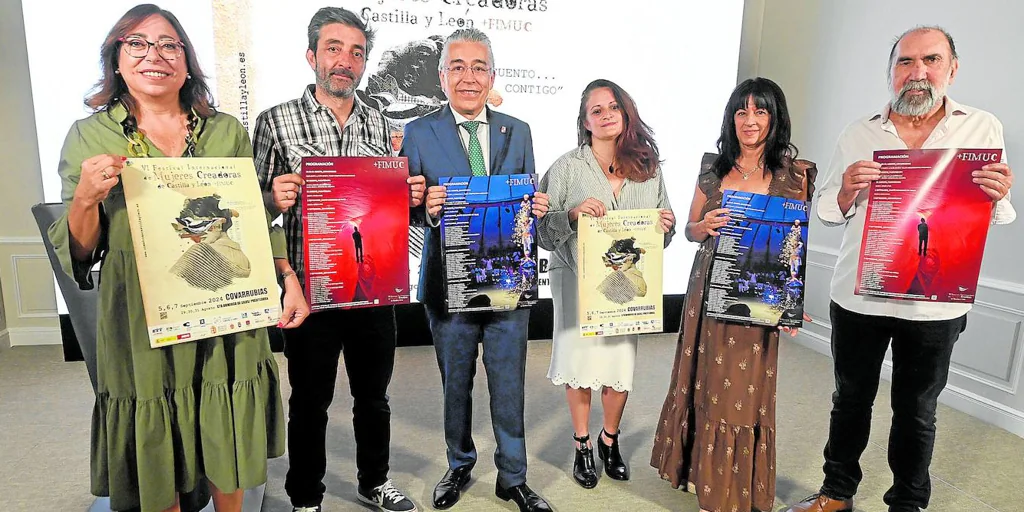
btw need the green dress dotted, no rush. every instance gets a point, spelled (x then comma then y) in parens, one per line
(164, 418)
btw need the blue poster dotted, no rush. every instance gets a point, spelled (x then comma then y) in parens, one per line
(758, 270)
(489, 242)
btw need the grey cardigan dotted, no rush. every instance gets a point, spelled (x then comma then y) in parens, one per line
(573, 178)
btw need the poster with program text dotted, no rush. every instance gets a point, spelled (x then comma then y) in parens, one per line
(202, 247)
(759, 265)
(619, 273)
(489, 242)
(926, 226)
(355, 231)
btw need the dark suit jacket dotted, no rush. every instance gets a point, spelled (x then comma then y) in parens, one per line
(434, 149)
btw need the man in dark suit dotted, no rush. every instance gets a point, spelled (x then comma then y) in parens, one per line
(464, 138)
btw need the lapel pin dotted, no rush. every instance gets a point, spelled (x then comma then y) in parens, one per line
(503, 129)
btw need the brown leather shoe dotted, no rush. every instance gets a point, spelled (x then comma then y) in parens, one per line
(821, 503)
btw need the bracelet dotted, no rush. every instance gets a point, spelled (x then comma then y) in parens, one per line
(287, 274)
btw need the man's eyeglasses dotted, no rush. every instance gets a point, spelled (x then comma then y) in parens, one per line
(138, 47)
(478, 71)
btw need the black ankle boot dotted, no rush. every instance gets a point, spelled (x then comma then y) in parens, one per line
(583, 468)
(614, 466)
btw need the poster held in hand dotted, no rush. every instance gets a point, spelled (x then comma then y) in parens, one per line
(621, 256)
(355, 223)
(926, 225)
(489, 242)
(202, 247)
(759, 265)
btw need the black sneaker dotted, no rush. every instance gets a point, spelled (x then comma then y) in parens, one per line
(386, 497)
(307, 509)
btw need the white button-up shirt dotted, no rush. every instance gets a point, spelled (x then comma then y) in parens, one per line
(962, 127)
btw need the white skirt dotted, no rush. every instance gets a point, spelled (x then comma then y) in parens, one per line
(592, 362)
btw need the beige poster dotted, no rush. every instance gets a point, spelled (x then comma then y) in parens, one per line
(199, 229)
(620, 268)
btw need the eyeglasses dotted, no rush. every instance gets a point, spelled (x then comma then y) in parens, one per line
(478, 71)
(138, 47)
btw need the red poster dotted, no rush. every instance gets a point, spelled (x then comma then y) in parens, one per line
(355, 227)
(926, 225)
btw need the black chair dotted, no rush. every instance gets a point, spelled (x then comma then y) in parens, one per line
(81, 303)
(82, 306)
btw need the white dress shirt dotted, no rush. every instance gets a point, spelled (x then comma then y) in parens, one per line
(962, 127)
(482, 133)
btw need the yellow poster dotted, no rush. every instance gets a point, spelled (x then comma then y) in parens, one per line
(620, 264)
(199, 229)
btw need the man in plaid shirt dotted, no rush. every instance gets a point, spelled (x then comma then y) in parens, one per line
(329, 120)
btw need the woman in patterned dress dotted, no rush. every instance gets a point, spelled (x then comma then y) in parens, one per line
(716, 434)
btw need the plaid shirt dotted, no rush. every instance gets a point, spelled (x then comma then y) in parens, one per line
(303, 127)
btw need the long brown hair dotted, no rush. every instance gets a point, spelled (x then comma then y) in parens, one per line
(635, 149)
(111, 89)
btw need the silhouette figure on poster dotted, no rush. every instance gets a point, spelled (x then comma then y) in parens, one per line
(922, 238)
(358, 240)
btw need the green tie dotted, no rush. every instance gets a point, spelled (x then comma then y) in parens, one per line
(476, 154)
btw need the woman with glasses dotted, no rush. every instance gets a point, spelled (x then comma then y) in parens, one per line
(615, 167)
(165, 418)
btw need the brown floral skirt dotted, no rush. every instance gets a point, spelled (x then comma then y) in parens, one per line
(716, 434)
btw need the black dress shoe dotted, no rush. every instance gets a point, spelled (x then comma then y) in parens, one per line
(614, 466)
(448, 491)
(583, 468)
(527, 500)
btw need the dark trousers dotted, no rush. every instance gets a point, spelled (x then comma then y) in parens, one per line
(366, 337)
(921, 352)
(922, 246)
(456, 341)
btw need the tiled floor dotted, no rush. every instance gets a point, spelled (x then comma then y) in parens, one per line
(46, 406)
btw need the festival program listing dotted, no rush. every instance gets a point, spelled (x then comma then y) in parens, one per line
(355, 231)
(926, 225)
(620, 273)
(202, 247)
(759, 265)
(489, 242)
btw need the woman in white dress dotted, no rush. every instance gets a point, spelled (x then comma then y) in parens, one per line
(615, 167)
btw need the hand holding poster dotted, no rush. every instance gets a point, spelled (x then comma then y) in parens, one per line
(927, 221)
(620, 268)
(355, 226)
(489, 242)
(758, 270)
(200, 233)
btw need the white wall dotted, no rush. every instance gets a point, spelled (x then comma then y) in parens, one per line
(831, 59)
(29, 306)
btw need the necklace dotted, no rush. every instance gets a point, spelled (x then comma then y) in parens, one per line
(137, 146)
(611, 166)
(746, 175)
